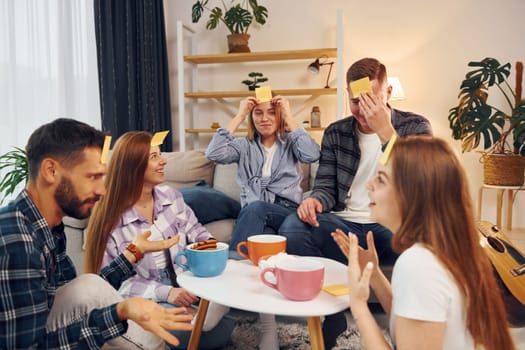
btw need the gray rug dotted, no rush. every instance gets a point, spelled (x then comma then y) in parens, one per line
(292, 336)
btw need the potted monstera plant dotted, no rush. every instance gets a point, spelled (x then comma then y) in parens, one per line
(13, 167)
(498, 130)
(236, 15)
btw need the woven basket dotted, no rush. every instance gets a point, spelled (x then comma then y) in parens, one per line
(503, 169)
(238, 43)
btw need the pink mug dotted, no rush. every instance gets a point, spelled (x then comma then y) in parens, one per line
(297, 279)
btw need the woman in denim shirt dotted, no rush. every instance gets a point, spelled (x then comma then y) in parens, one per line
(269, 172)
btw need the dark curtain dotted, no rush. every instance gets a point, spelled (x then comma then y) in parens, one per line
(133, 67)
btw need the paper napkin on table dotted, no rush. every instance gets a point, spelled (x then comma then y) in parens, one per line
(336, 289)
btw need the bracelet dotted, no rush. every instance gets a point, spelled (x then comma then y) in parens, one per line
(135, 251)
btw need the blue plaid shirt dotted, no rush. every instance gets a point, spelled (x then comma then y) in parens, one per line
(33, 264)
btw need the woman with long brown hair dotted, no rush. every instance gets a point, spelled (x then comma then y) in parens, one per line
(136, 201)
(443, 293)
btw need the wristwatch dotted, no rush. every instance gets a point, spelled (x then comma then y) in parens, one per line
(135, 251)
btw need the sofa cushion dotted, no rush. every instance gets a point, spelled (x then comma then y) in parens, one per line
(225, 180)
(209, 204)
(188, 168)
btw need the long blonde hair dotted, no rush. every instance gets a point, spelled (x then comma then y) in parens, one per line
(436, 211)
(124, 182)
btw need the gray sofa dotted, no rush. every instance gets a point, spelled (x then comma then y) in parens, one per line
(185, 169)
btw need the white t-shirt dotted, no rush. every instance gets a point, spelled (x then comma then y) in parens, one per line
(423, 289)
(357, 198)
(159, 256)
(267, 166)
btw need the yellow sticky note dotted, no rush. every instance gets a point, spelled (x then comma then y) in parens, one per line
(158, 138)
(105, 150)
(386, 154)
(359, 86)
(263, 94)
(336, 289)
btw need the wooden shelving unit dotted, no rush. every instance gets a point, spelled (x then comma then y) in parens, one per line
(261, 56)
(283, 55)
(246, 93)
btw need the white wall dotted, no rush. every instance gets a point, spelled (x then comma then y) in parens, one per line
(426, 44)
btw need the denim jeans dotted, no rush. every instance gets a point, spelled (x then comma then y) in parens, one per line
(260, 217)
(304, 239)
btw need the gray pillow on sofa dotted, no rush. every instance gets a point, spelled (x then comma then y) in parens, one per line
(208, 204)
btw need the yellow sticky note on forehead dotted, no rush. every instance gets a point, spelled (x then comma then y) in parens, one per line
(359, 86)
(158, 138)
(263, 94)
(386, 154)
(105, 150)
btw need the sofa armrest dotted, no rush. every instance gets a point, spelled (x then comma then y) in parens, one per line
(221, 229)
(224, 180)
(75, 223)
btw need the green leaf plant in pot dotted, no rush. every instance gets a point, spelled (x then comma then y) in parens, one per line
(236, 15)
(499, 131)
(256, 78)
(13, 166)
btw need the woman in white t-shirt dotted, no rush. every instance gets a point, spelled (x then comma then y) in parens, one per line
(443, 293)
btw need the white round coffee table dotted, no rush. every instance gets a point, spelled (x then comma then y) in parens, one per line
(239, 286)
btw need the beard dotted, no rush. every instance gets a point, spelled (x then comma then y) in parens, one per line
(68, 200)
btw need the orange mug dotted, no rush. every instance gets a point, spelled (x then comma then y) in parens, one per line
(258, 246)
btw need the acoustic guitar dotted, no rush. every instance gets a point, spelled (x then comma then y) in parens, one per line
(508, 261)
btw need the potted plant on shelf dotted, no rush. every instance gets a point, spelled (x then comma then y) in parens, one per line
(502, 130)
(237, 16)
(14, 166)
(253, 83)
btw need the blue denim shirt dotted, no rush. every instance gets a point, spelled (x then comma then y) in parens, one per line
(285, 180)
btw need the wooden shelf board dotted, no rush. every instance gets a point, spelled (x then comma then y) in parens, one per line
(246, 93)
(261, 56)
(210, 130)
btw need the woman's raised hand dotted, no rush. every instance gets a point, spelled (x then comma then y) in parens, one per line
(286, 113)
(144, 245)
(358, 277)
(246, 105)
(364, 255)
